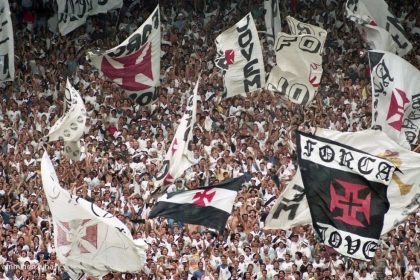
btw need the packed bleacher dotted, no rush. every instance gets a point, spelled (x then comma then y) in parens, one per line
(124, 144)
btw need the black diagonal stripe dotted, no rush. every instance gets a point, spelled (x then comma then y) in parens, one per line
(208, 216)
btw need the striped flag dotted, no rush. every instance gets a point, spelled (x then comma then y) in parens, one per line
(208, 206)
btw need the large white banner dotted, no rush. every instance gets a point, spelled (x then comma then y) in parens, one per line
(7, 52)
(380, 29)
(135, 64)
(239, 55)
(298, 72)
(71, 125)
(300, 28)
(272, 20)
(86, 237)
(396, 97)
(179, 155)
(403, 192)
(73, 13)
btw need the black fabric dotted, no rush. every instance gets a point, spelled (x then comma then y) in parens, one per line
(208, 216)
(329, 192)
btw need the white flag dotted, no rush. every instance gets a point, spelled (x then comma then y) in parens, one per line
(380, 29)
(298, 72)
(300, 28)
(239, 55)
(135, 64)
(396, 97)
(179, 155)
(86, 237)
(73, 13)
(71, 125)
(291, 208)
(403, 192)
(7, 53)
(272, 20)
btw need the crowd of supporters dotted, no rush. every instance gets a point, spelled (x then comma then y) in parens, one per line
(124, 144)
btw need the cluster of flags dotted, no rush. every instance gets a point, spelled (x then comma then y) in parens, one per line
(349, 185)
(352, 187)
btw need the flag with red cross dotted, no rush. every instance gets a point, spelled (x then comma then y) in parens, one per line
(207, 206)
(346, 190)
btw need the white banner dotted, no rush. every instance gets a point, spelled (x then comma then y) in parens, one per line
(300, 28)
(346, 159)
(73, 13)
(71, 125)
(396, 97)
(403, 191)
(239, 55)
(272, 20)
(291, 208)
(347, 243)
(86, 237)
(179, 155)
(297, 75)
(380, 29)
(7, 52)
(135, 64)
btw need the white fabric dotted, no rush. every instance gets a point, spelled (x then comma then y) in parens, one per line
(135, 64)
(272, 20)
(361, 163)
(179, 156)
(73, 13)
(298, 72)
(86, 237)
(71, 125)
(365, 251)
(396, 97)
(7, 53)
(403, 191)
(300, 28)
(291, 208)
(378, 26)
(239, 55)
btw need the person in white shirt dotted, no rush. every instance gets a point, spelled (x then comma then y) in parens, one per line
(318, 263)
(287, 264)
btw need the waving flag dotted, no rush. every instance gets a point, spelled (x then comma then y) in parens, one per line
(380, 29)
(73, 13)
(7, 52)
(396, 97)
(239, 56)
(135, 64)
(346, 190)
(300, 28)
(298, 72)
(292, 209)
(71, 125)
(272, 20)
(179, 155)
(209, 206)
(88, 239)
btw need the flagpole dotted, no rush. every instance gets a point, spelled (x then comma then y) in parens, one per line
(118, 20)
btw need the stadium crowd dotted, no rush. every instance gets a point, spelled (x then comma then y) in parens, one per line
(124, 144)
